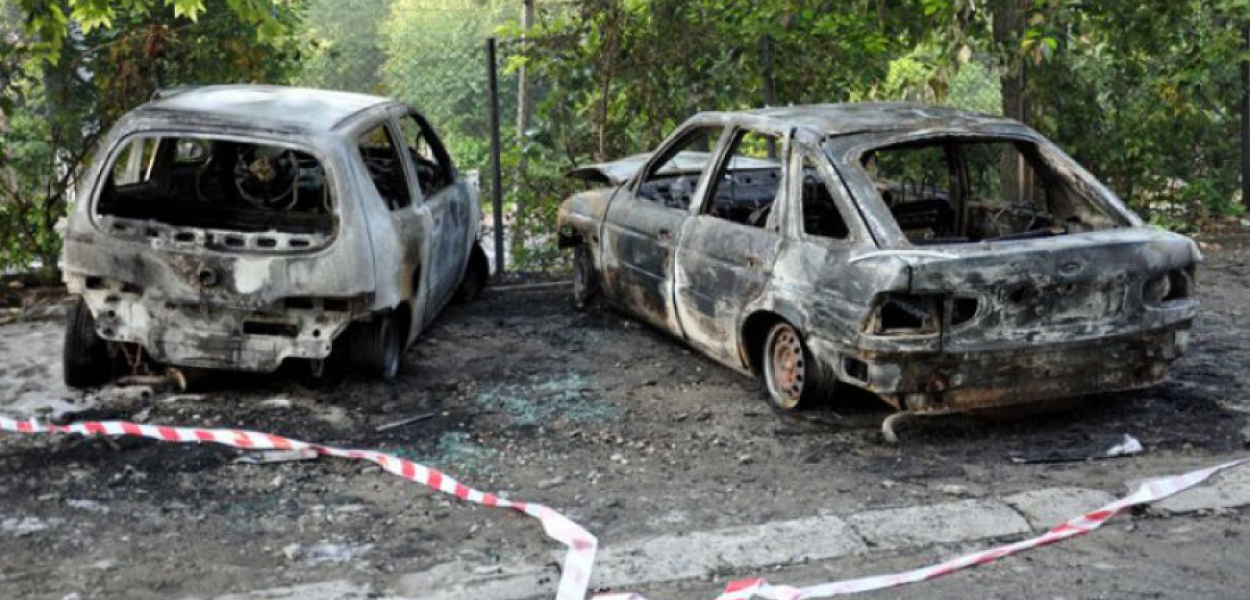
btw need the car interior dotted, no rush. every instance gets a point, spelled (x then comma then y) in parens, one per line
(961, 190)
(746, 186)
(218, 183)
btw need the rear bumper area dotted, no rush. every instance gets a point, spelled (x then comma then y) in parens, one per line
(960, 382)
(216, 337)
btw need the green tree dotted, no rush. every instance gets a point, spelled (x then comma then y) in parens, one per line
(342, 45)
(62, 92)
(435, 60)
(1144, 93)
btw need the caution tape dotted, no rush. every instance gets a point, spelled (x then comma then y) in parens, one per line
(1150, 491)
(575, 574)
(582, 546)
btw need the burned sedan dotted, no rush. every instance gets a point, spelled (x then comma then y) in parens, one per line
(241, 227)
(943, 260)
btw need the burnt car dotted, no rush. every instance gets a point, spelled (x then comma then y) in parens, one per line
(943, 260)
(244, 227)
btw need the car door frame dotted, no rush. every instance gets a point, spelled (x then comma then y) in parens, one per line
(409, 223)
(719, 278)
(632, 219)
(449, 224)
(814, 269)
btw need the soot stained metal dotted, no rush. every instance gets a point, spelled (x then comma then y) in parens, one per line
(943, 260)
(241, 227)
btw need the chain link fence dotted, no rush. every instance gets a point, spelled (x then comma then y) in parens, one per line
(432, 55)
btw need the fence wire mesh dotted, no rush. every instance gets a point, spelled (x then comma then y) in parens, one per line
(431, 54)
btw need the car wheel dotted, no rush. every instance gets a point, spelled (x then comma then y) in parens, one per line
(476, 274)
(379, 347)
(790, 375)
(585, 281)
(85, 357)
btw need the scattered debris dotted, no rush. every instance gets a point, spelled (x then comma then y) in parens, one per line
(325, 552)
(1127, 447)
(88, 505)
(952, 489)
(402, 422)
(277, 456)
(176, 398)
(127, 393)
(545, 398)
(22, 526)
(547, 484)
(276, 403)
(173, 378)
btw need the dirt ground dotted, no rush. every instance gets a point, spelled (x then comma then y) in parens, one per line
(618, 426)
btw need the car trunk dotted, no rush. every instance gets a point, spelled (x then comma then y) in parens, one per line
(1005, 295)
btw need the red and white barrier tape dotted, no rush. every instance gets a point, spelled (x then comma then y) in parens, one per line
(578, 562)
(1150, 491)
(575, 574)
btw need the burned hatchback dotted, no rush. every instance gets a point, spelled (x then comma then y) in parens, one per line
(243, 227)
(943, 260)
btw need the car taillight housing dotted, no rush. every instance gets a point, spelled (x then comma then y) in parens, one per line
(921, 314)
(1160, 289)
(908, 314)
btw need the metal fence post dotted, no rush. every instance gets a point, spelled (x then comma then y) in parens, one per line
(496, 175)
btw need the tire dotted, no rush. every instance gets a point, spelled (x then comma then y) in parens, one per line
(85, 358)
(476, 274)
(378, 346)
(585, 280)
(791, 377)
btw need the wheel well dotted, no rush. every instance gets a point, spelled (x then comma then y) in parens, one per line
(403, 320)
(568, 237)
(754, 333)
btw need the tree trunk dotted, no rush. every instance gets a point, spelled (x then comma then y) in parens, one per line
(1009, 22)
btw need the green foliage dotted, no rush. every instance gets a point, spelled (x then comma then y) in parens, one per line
(48, 22)
(1143, 93)
(921, 76)
(435, 60)
(1147, 95)
(342, 45)
(61, 94)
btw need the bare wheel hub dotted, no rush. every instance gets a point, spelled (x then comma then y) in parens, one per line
(789, 367)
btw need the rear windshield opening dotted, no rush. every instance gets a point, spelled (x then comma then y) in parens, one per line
(218, 184)
(962, 190)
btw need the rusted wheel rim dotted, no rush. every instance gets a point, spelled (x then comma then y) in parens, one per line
(787, 367)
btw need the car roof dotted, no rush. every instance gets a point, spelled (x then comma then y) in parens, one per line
(268, 106)
(862, 117)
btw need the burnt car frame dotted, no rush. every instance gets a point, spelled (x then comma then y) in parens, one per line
(241, 227)
(863, 244)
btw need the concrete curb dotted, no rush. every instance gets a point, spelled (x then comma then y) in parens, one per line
(742, 550)
(746, 549)
(1230, 489)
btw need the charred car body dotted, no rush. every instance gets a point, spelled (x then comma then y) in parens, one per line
(237, 227)
(943, 260)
